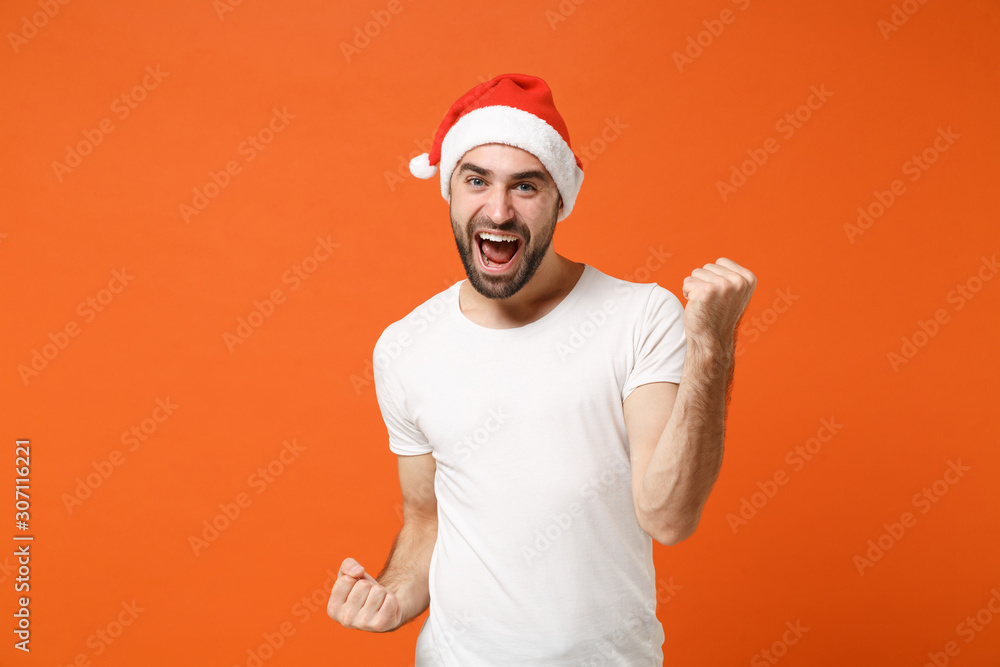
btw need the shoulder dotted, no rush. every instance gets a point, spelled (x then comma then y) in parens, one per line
(403, 333)
(635, 296)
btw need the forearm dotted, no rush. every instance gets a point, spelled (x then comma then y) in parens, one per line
(407, 569)
(688, 455)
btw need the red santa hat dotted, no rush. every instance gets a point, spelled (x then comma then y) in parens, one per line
(512, 109)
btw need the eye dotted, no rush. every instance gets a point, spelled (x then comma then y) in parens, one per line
(531, 188)
(472, 180)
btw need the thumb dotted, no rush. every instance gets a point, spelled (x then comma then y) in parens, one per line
(352, 567)
(356, 570)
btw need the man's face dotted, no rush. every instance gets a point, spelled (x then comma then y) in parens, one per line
(505, 190)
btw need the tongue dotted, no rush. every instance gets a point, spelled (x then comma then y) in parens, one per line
(499, 252)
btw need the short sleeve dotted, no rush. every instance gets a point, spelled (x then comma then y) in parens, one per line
(404, 436)
(661, 343)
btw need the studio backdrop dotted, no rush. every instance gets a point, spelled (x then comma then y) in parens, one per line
(209, 221)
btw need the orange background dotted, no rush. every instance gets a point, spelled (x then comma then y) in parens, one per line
(337, 170)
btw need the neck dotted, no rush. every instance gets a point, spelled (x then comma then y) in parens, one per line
(555, 278)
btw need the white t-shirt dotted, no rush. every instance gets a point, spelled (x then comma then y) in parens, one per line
(539, 559)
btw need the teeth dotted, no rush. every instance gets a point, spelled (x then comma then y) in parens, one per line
(496, 237)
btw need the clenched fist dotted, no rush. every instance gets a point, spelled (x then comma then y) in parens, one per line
(717, 295)
(359, 601)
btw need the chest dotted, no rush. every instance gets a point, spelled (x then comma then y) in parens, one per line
(515, 410)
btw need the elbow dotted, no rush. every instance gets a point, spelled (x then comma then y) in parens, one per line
(668, 537)
(668, 533)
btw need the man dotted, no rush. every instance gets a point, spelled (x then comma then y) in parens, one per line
(550, 421)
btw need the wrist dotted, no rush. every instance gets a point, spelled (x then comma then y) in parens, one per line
(410, 599)
(711, 347)
(709, 358)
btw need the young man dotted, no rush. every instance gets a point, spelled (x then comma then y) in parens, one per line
(550, 421)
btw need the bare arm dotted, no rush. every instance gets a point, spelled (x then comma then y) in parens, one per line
(408, 566)
(677, 432)
(400, 593)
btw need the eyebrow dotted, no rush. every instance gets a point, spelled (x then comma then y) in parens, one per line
(521, 175)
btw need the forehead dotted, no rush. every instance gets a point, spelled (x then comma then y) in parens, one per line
(501, 159)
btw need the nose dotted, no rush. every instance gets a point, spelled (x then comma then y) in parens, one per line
(499, 206)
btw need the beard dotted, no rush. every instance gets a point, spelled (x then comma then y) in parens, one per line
(532, 252)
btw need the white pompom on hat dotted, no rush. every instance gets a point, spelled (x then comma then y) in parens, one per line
(421, 167)
(512, 109)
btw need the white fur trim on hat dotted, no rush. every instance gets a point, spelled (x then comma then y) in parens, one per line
(421, 167)
(514, 127)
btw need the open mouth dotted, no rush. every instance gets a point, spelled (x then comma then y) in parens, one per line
(497, 250)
